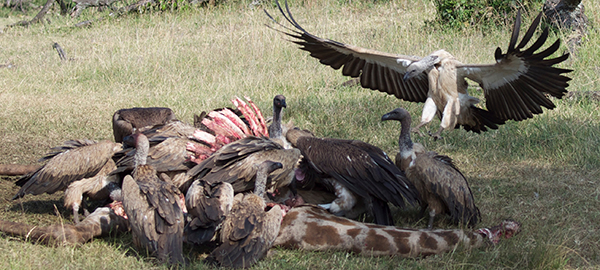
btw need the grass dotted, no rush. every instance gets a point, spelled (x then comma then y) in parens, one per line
(542, 172)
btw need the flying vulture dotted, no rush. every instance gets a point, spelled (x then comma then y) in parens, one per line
(515, 87)
(443, 188)
(356, 171)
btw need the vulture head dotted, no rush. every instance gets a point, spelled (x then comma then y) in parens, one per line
(418, 67)
(402, 115)
(279, 102)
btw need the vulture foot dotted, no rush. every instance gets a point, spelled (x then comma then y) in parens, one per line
(418, 131)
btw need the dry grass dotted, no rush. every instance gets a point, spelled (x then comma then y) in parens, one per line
(542, 172)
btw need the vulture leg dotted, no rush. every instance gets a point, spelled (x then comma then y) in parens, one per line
(429, 111)
(431, 217)
(344, 201)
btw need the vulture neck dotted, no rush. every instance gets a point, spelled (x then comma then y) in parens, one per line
(404, 141)
(275, 130)
(260, 184)
(142, 147)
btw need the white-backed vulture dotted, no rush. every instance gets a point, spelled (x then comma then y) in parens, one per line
(208, 205)
(249, 230)
(126, 121)
(515, 87)
(443, 188)
(311, 228)
(235, 163)
(151, 205)
(79, 167)
(356, 171)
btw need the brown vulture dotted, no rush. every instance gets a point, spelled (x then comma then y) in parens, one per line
(443, 188)
(515, 86)
(127, 121)
(235, 163)
(249, 230)
(207, 205)
(152, 207)
(79, 167)
(356, 171)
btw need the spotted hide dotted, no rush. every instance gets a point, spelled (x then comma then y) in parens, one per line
(313, 228)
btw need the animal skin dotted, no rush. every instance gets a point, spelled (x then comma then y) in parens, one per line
(313, 228)
(101, 222)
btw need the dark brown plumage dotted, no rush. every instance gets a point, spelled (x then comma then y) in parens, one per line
(80, 168)
(248, 231)
(443, 188)
(235, 164)
(207, 205)
(356, 170)
(151, 204)
(515, 87)
(168, 153)
(126, 121)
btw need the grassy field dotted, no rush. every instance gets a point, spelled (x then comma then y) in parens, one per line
(543, 172)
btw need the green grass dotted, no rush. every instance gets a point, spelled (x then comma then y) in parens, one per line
(543, 172)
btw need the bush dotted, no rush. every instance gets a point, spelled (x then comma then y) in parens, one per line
(461, 13)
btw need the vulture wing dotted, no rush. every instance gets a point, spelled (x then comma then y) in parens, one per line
(248, 232)
(377, 70)
(75, 160)
(208, 205)
(516, 85)
(235, 163)
(364, 169)
(443, 182)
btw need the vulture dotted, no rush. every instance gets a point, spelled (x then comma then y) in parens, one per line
(235, 163)
(207, 205)
(152, 207)
(249, 230)
(126, 121)
(79, 167)
(515, 87)
(356, 171)
(443, 188)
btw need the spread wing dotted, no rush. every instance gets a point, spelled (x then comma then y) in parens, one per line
(208, 205)
(235, 163)
(365, 170)
(516, 86)
(376, 70)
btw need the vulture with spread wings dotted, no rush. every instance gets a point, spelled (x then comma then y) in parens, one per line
(515, 87)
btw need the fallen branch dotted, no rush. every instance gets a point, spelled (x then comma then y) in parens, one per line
(37, 17)
(16, 169)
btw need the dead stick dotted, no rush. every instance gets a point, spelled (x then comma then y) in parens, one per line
(17, 169)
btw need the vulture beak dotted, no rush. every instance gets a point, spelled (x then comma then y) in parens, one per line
(388, 115)
(408, 75)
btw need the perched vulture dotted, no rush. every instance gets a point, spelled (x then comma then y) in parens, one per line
(79, 167)
(235, 164)
(207, 205)
(356, 171)
(443, 188)
(126, 121)
(249, 230)
(151, 205)
(515, 87)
